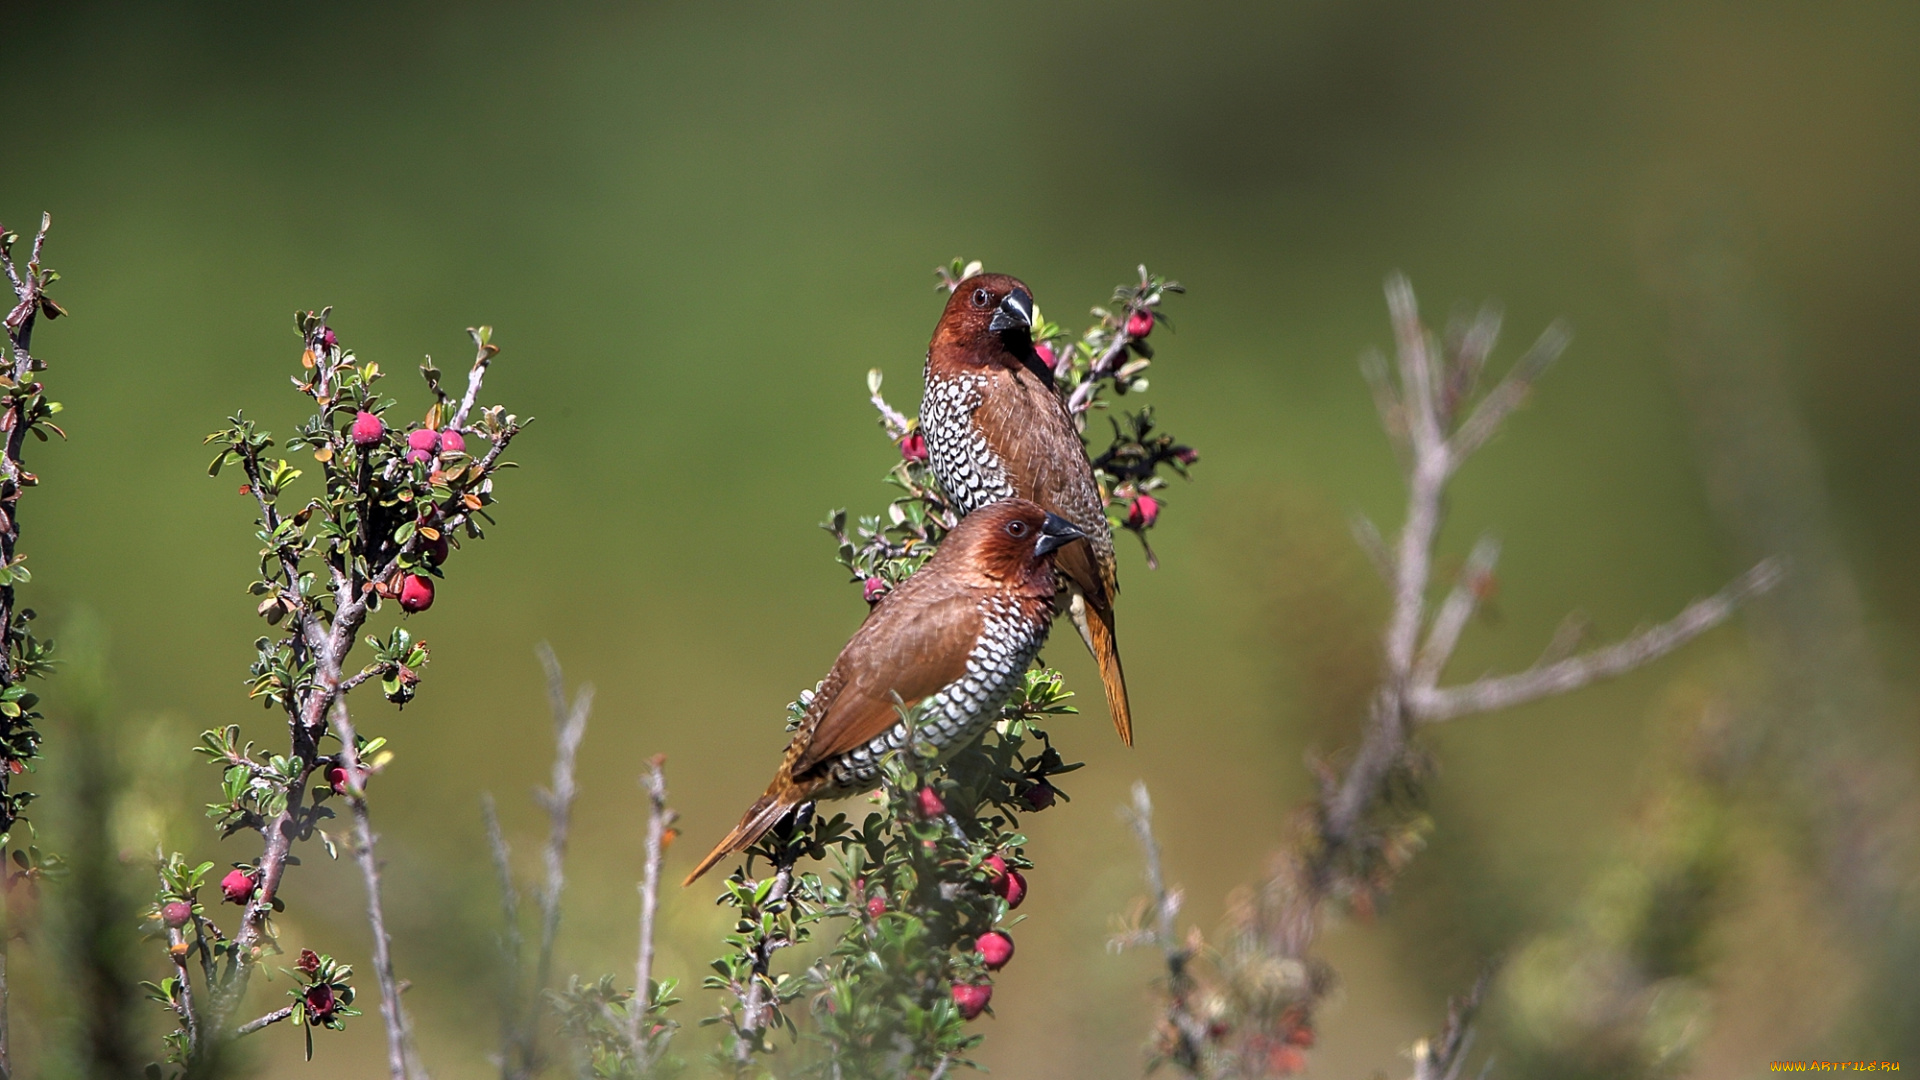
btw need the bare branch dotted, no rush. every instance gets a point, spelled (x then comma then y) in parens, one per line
(1489, 695)
(1459, 606)
(268, 1020)
(1414, 348)
(660, 820)
(1445, 1055)
(484, 352)
(515, 1037)
(1504, 398)
(569, 727)
(1386, 400)
(400, 1061)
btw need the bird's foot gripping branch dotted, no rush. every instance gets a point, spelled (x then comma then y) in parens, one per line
(393, 502)
(915, 907)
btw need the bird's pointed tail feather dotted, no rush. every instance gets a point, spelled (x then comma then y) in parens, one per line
(1096, 629)
(764, 814)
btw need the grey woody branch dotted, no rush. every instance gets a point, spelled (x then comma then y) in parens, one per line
(660, 820)
(1355, 844)
(569, 727)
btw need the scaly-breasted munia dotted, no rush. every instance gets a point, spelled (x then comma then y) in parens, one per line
(996, 428)
(953, 640)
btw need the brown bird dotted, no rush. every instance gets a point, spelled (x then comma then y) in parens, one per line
(957, 636)
(996, 428)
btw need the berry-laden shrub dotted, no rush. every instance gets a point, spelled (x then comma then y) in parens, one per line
(387, 504)
(916, 902)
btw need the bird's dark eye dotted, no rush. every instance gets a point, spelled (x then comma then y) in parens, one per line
(982, 298)
(1016, 529)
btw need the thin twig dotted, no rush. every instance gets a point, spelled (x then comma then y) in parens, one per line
(268, 1020)
(515, 1054)
(399, 1038)
(484, 352)
(660, 818)
(1455, 611)
(569, 727)
(1493, 694)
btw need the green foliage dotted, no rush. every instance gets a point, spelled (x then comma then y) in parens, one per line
(597, 1018)
(385, 504)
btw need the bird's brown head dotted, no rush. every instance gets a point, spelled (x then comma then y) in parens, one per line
(988, 321)
(1012, 543)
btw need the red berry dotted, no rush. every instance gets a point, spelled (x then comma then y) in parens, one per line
(971, 999)
(337, 778)
(416, 593)
(1013, 888)
(995, 866)
(1301, 1036)
(1045, 352)
(237, 886)
(321, 1002)
(309, 961)
(874, 588)
(1143, 512)
(328, 338)
(876, 906)
(995, 949)
(1139, 324)
(367, 428)
(452, 442)
(175, 913)
(930, 804)
(1039, 795)
(437, 549)
(914, 447)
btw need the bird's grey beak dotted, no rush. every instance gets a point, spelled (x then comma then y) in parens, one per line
(1014, 313)
(1055, 533)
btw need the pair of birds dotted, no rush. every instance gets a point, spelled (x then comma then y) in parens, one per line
(956, 637)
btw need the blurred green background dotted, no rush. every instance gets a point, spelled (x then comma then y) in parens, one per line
(695, 227)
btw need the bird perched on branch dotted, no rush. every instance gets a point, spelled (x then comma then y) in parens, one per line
(996, 429)
(952, 641)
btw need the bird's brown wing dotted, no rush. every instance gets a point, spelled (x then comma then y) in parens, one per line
(914, 643)
(1027, 426)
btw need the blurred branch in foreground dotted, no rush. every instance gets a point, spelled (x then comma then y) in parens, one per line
(611, 1035)
(26, 410)
(1253, 1017)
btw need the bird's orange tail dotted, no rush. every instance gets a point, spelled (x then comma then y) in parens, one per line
(1095, 624)
(764, 814)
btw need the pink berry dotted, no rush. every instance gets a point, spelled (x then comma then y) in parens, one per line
(1045, 352)
(930, 804)
(175, 913)
(1143, 512)
(328, 338)
(367, 428)
(422, 444)
(416, 593)
(876, 906)
(995, 949)
(1012, 888)
(237, 886)
(914, 447)
(995, 866)
(452, 442)
(874, 588)
(971, 999)
(1139, 324)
